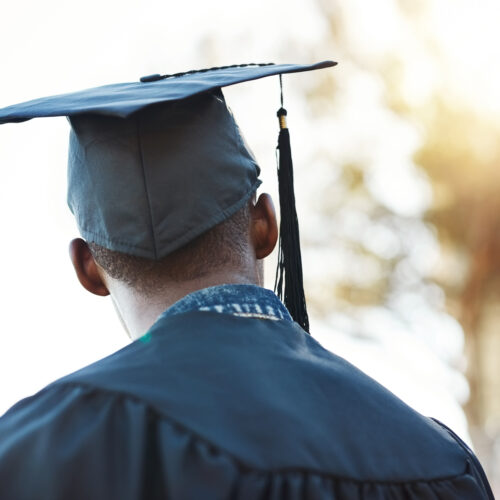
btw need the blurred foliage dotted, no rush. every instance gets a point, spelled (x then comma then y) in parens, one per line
(456, 155)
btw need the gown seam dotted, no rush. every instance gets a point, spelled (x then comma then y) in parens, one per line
(241, 464)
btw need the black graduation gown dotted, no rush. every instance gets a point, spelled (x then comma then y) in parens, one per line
(211, 406)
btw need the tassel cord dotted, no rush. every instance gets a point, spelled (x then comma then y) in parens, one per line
(289, 278)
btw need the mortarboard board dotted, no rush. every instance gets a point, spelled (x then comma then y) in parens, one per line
(155, 163)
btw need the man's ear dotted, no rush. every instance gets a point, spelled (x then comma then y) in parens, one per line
(264, 227)
(86, 268)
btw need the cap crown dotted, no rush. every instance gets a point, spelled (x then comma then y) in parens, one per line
(150, 183)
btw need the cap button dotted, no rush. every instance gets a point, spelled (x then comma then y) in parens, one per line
(150, 78)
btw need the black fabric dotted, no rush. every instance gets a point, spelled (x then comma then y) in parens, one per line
(123, 99)
(212, 406)
(289, 269)
(151, 183)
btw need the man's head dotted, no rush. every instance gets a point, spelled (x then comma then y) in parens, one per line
(165, 198)
(156, 170)
(230, 252)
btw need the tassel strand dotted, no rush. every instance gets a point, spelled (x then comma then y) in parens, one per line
(289, 279)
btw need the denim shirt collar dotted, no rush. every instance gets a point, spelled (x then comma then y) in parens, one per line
(249, 301)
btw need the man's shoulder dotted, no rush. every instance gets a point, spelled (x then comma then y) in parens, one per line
(241, 382)
(75, 442)
(260, 395)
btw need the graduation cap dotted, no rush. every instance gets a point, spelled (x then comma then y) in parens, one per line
(155, 163)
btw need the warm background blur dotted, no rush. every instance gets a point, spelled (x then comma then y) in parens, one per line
(396, 153)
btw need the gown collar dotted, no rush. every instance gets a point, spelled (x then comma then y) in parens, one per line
(250, 301)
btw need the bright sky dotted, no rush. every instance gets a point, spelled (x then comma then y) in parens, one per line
(50, 326)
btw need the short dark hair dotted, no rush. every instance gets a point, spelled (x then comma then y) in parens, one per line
(225, 245)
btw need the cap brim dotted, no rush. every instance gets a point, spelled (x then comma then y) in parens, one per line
(123, 99)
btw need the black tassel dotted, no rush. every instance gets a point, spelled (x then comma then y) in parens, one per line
(289, 270)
